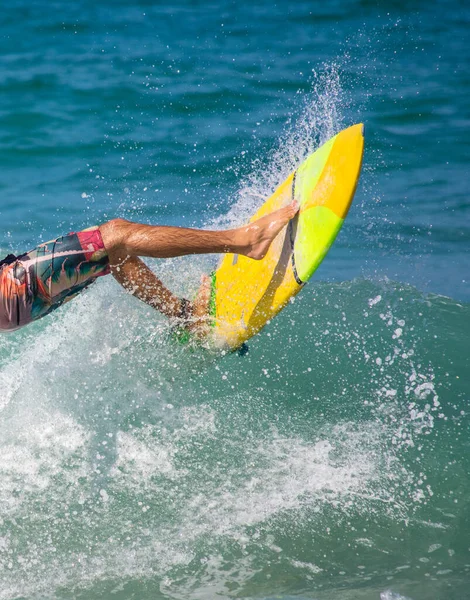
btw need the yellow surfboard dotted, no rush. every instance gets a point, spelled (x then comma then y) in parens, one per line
(246, 293)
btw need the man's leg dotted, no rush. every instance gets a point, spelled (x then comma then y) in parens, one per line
(253, 240)
(134, 275)
(126, 241)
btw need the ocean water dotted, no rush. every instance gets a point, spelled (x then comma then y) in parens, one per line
(330, 462)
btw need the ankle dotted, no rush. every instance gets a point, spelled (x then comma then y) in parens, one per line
(242, 241)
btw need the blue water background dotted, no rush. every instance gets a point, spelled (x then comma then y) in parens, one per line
(190, 113)
(116, 102)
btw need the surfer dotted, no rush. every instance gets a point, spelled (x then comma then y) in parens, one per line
(35, 283)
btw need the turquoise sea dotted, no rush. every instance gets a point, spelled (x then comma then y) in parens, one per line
(332, 462)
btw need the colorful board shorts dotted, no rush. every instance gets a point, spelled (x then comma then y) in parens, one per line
(36, 283)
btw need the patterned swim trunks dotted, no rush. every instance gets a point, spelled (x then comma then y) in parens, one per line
(35, 283)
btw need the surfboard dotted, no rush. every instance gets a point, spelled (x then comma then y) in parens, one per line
(245, 293)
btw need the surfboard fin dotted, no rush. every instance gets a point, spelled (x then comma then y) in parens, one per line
(243, 350)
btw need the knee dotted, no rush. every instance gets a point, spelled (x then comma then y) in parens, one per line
(113, 233)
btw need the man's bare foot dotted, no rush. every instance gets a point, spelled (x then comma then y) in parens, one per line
(199, 322)
(256, 237)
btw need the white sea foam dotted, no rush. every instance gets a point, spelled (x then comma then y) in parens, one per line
(389, 595)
